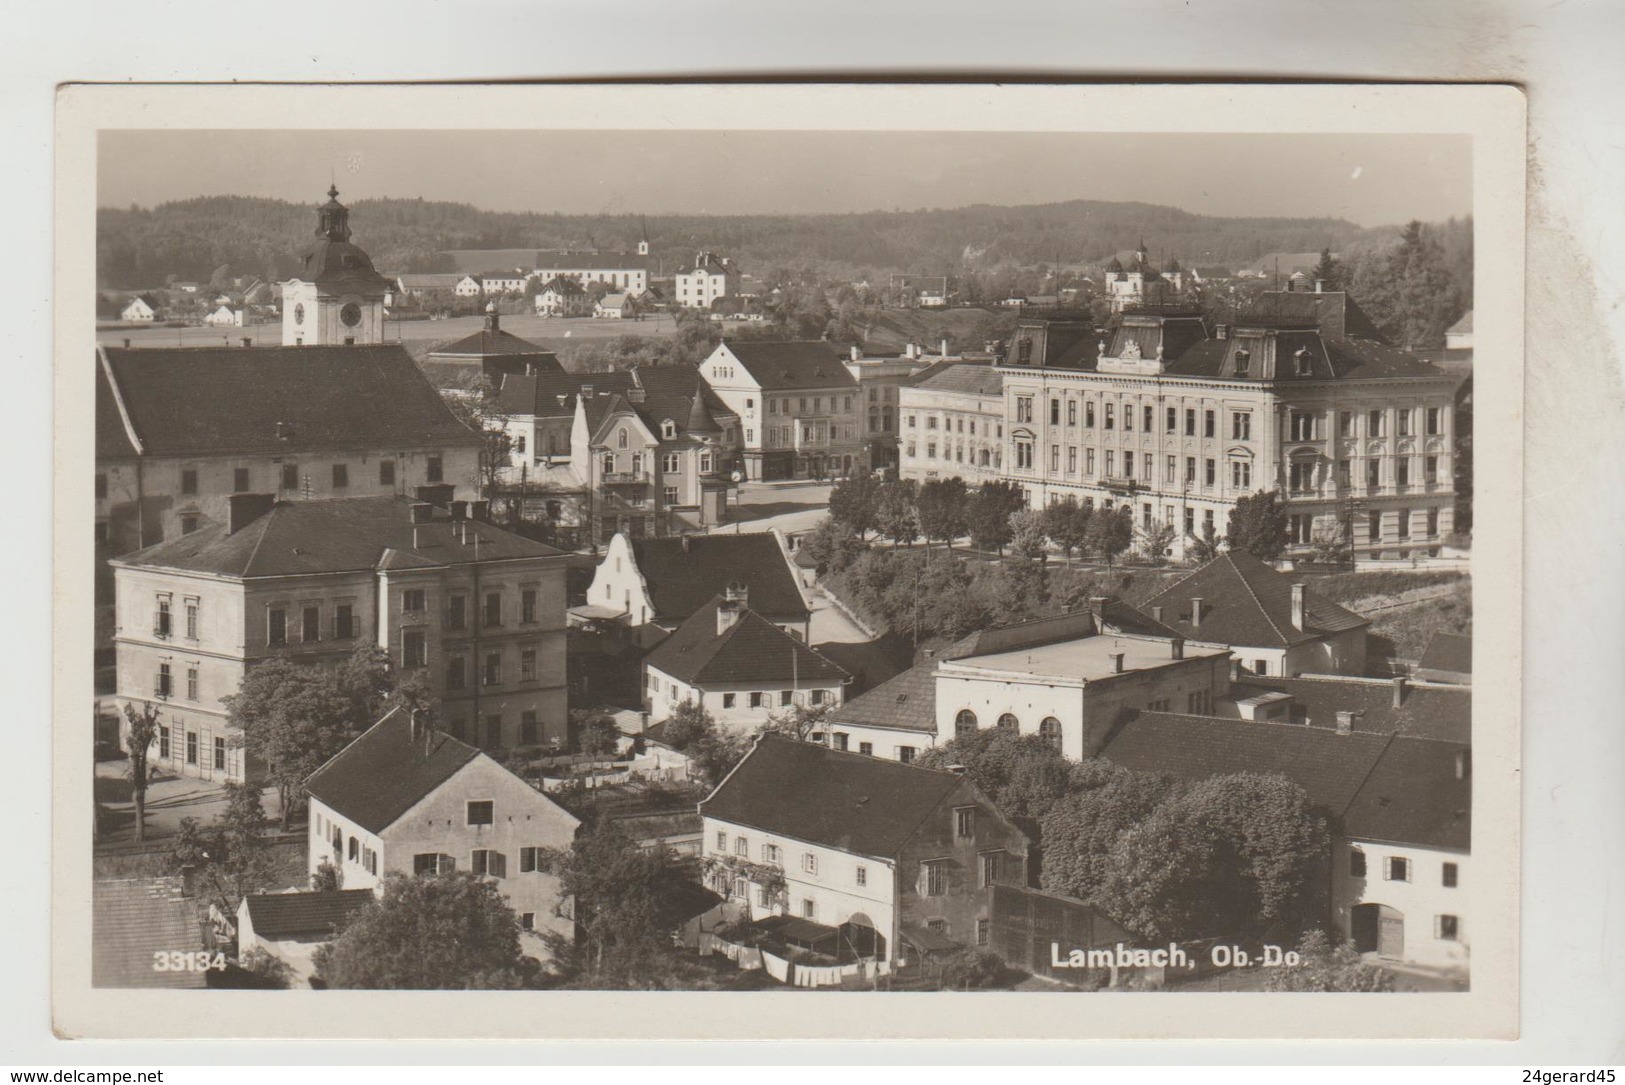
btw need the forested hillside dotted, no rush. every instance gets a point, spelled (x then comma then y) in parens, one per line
(192, 239)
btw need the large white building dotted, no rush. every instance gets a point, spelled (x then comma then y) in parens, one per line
(952, 423)
(798, 406)
(703, 282)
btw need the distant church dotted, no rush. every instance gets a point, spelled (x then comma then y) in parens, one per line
(1141, 283)
(337, 299)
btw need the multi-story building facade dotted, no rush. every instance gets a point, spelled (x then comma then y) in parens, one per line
(881, 379)
(1178, 425)
(406, 799)
(180, 431)
(622, 272)
(891, 861)
(338, 297)
(703, 282)
(799, 408)
(739, 667)
(952, 423)
(478, 611)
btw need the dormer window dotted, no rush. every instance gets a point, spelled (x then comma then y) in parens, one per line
(1305, 364)
(1244, 359)
(668, 430)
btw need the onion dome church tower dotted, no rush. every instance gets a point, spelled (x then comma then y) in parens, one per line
(337, 299)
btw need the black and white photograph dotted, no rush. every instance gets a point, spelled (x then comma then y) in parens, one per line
(878, 554)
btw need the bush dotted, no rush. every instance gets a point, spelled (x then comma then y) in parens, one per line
(972, 970)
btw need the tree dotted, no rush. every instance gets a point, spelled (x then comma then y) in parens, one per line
(1258, 525)
(141, 731)
(799, 722)
(854, 503)
(714, 751)
(228, 857)
(600, 737)
(294, 716)
(1324, 966)
(445, 932)
(625, 904)
(969, 969)
(1328, 271)
(941, 508)
(1156, 539)
(1331, 545)
(1110, 532)
(1080, 830)
(894, 511)
(326, 878)
(479, 409)
(1023, 775)
(988, 516)
(830, 545)
(1066, 523)
(1204, 547)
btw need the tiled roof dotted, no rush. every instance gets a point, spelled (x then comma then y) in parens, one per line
(293, 915)
(905, 702)
(1331, 359)
(964, 378)
(674, 394)
(131, 919)
(1419, 792)
(1450, 652)
(346, 535)
(341, 267)
(1439, 712)
(1245, 603)
(684, 573)
(430, 280)
(492, 342)
(1334, 312)
(753, 651)
(789, 365)
(590, 261)
(206, 400)
(864, 805)
(384, 772)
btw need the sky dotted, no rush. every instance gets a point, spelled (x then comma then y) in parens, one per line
(1367, 179)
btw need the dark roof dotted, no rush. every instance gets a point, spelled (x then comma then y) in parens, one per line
(384, 772)
(1448, 652)
(590, 261)
(345, 535)
(1247, 603)
(661, 394)
(752, 651)
(905, 702)
(684, 573)
(112, 439)
(865, 805)
(492, 341)
(292, 915)
(1419, 792)
(131, 919)
(966, 378)
(788, 365)
(1334, 312)
(1107, 615)
(202, 400)
(1439, 712)
(1331, 359)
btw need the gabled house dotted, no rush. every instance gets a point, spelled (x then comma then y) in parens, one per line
(224, 317)
(797, 403)
(142, 309)
(404, 798)
(612, 307)
(563, 296)
(1273, 624)
(491, 353)
(291, 926)
(738, 666)
(660, 583)
(871, 858)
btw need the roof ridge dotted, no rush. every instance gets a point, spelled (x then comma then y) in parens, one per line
(1259, 603)
(118, 398)
(265, 529)
(1354, 796)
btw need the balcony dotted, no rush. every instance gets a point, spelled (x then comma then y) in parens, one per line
(624, 478)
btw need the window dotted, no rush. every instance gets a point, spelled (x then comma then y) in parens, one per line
(965, 823)
(1050, 729)
(992, 864)
(1404, 525)
(344, 621)
(1212, 470)
(1128, 465)
(493, 669)
(414, 600)
(427, 862)
(786, 698)
(1403, 419)
(741, 846)
(164, 683)
(1055, 458)
(809, 863)
(1303, 362)
(1434, 427)
(1148, 418)
(310, 625)
(1374, 526)
(527, 664)
(527, 921)
(1111, 463)
(191, 621)
(191, 683)
(1303, 426)
(1374, 426)
(1071, 459)
(435, 469)
(353, 851)
(984, 931)
(772, 853)
(1128, 417)
(1345, 423)
(1449, 875)
(189, 480)
(906, 754)
(191, 747)
(1241, 474)
(493, 609)
(1209, 424)
(1433, 523)
(220, 755)
(341, 476)
(386, 468)
(1446, 928)
(1402, 471)
(1089, 414)
(1198, 702)
(1190, 468)
(481, 812)
(1007, 722)
(1356, 863)
(722, 841)
(1110, 421)
(1054, 412)
(456, 673)
(1241, 425)
(1301, 476)
(414, 649)
(1399, 869)
(239, 480)
(934, 878)
(276, 627)
(163, 742)
(1430, 469)
(1071, 413)
(668, 495)
(490, 863)
(757, 698)
(809, 910)
(162, 625)
(1244, 360)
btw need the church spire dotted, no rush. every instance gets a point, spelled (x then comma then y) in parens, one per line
(333, 218)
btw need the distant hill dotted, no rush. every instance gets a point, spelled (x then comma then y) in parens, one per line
(239, 235)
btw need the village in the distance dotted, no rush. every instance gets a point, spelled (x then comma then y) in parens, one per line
(636, 617)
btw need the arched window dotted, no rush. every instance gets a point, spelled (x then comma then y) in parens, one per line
(620, 439)
(964, 723)
(1051, 730)
(1008, 722)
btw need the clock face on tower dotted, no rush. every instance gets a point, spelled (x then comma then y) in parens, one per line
(299, 314)
(350, 314)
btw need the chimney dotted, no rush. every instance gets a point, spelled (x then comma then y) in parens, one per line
(735, 597)
(1117, 662)
(856, 353)
(1156, 613)
(247, 342)
(1464, 763)
(1221, 331)
(1400, 685)
(126, 344)
(1196, 612)
(1320, 286)
(1345, 722)
(944, 350)
(1235, 670)
(421, 511)
(418, 724)
(957, 770)
(459, 511)
(480, 510)
(244, 509)
(493, 322)
(1178, 647)
(1297, 607)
